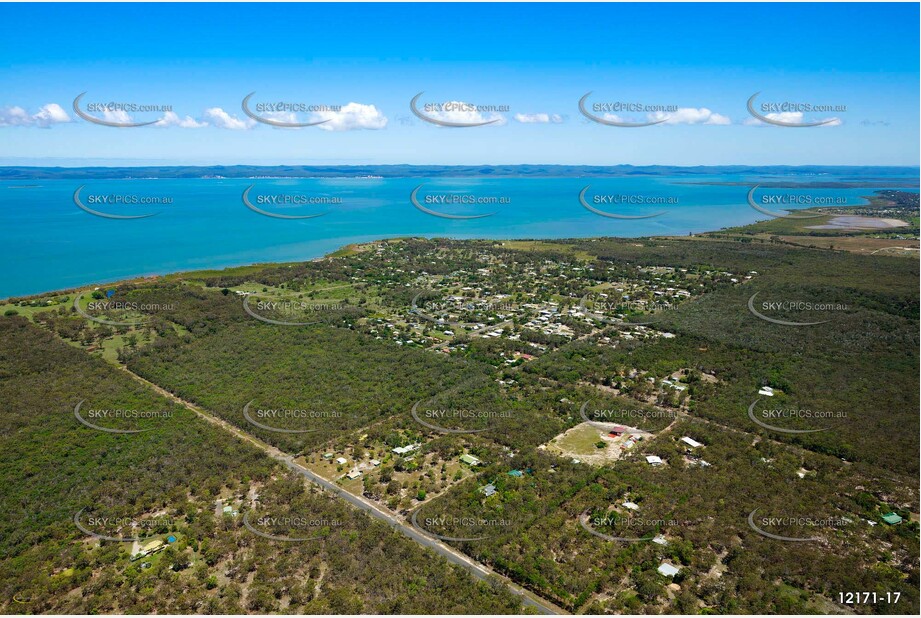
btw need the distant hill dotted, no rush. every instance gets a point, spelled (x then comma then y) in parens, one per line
(854, 173)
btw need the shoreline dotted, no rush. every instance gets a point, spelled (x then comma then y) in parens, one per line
(353, 246)
(137, 278)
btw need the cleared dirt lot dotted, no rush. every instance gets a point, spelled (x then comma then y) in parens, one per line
(580, 442)
(857, 222)
(866, 246)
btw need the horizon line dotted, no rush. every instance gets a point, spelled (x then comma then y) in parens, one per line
(356, 165)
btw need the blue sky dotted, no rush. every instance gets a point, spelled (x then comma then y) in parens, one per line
(704, 59)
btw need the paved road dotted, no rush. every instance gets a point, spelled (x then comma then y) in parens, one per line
(478, 570)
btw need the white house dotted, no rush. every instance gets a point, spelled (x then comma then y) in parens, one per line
(668, 570)
(691, 442)
(654, 460)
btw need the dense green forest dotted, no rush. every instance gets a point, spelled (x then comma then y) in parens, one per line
(53, 467)
(505, 331)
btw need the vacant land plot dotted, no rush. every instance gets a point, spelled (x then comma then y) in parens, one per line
(583, 442)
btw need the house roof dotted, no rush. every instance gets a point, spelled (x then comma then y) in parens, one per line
(668, 570)
(153, 545)
(892, 518)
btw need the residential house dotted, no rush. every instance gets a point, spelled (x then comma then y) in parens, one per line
(469, 459)
(668, 570)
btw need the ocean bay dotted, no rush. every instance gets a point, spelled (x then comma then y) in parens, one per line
(56, 243)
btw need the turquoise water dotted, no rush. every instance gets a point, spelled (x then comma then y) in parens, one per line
(52, 244)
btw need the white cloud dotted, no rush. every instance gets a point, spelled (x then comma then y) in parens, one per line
(14, 117)
(118, 116)
(456, 113)
(539, 118)
(50, 114)
(790, 117)
(612, 117)
(352, 117)
(172, 119)
(718, 119)
(286, 117)
(691, 115)
(222, 120)
(47, 115)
